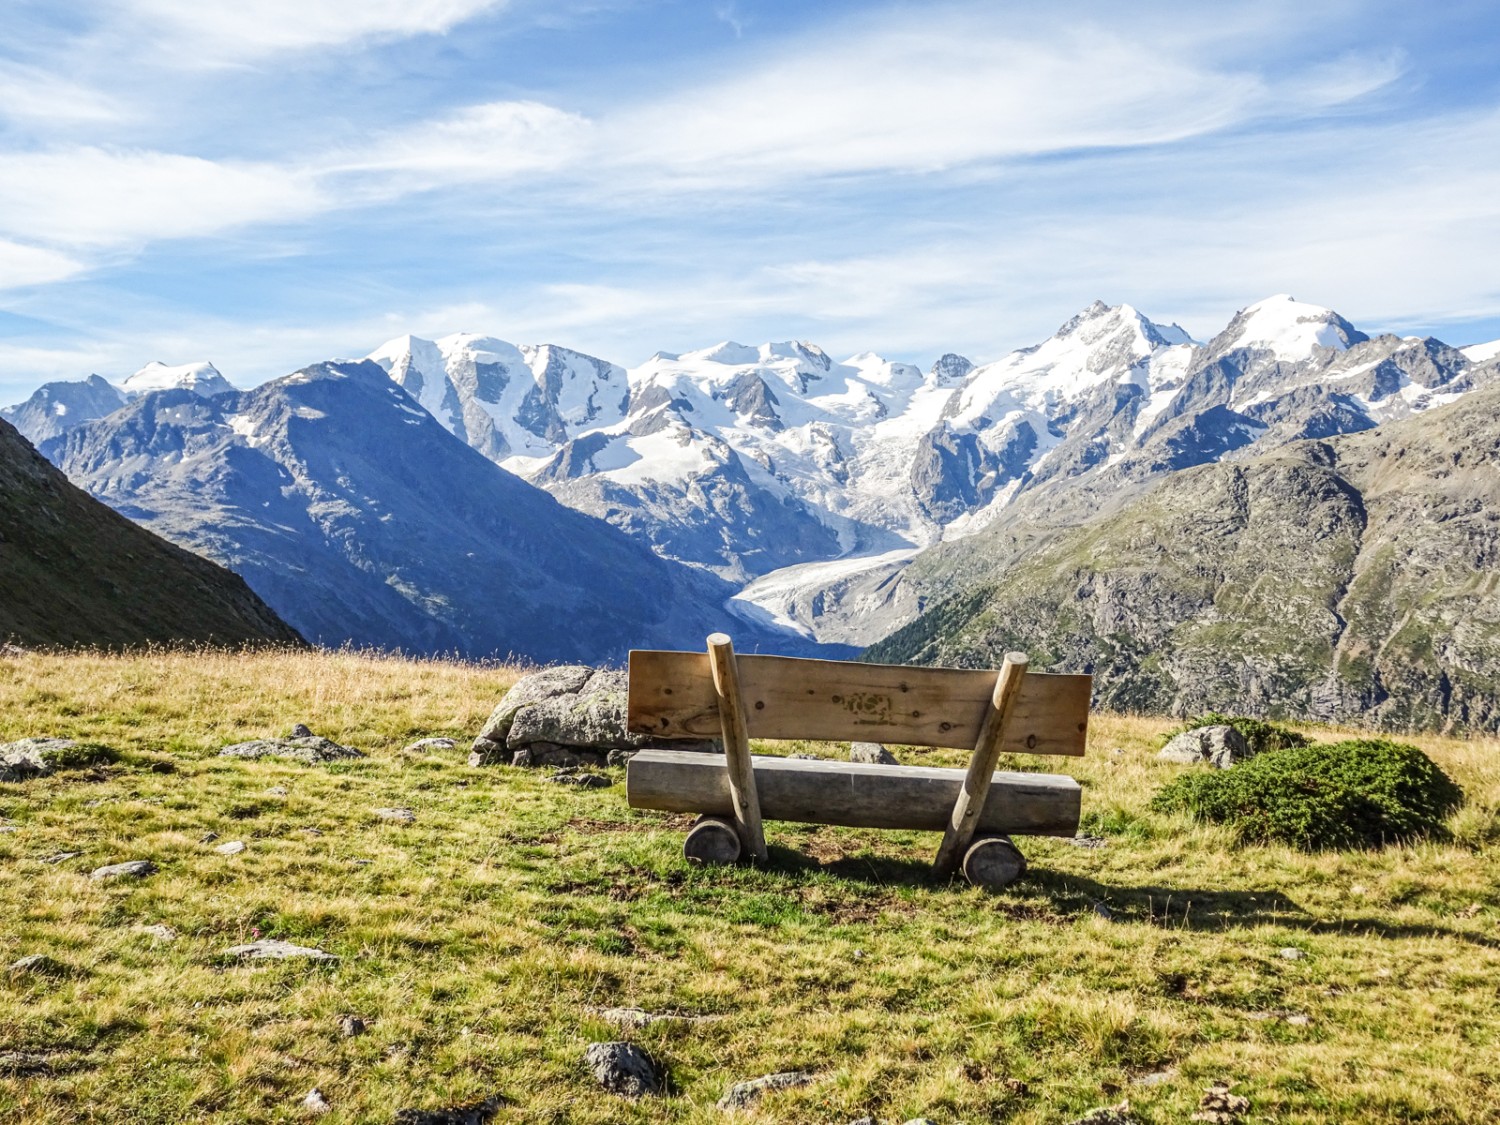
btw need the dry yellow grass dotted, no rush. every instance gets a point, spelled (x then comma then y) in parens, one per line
(476, 939)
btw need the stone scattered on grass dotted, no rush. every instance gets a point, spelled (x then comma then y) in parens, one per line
(871, 754)
(1155, 1077)
(580, 780)
(130, 869)
(208, 837)
(632, 1019)
(37, 965)
(316, 1103)
(743, 1094)
(308, 749)
(476, 1113)
(1219, 1107)
(1291, 954)
(270, 949)
(61, 857)
(1102, 910)
(1107, 1115)
(401, 814)
(1220, 746)
(277, 791)
(351, 1026)
(429, 746)
(624, 1069)
(1283, 1015)
(1082, 840)
(159, 932)
(234, 847)
(27, 758)
(8, 828)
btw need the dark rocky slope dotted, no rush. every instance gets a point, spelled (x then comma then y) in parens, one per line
(73, 572)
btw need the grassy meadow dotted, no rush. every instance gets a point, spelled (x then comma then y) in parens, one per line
(479, 941)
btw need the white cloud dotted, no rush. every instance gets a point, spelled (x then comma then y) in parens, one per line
(494, 140)
(247, 28)
(22, 266)
(86, 197)
(33, 95)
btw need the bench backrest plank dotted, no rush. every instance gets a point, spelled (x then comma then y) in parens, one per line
(672, 696)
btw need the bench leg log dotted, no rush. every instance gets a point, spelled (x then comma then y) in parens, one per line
(993, 862)
(712, 840)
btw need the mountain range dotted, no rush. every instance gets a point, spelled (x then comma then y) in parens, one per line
(827, 502)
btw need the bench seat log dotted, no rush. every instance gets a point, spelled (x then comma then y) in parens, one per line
(853, 794)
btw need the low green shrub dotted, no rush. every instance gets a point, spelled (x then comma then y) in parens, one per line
(82, 756)
(1261, 735)
(1363, 793)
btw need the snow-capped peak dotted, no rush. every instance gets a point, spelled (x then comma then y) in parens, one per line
(201, 378)
(1288, 327)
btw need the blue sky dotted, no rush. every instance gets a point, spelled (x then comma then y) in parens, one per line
(273, 182)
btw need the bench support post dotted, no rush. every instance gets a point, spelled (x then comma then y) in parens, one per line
(965, 817)
(737, 746)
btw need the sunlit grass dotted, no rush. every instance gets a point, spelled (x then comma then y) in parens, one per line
(477, 939)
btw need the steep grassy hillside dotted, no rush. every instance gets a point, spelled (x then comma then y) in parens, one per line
(478, 941)
(1355, 579)
(74, 572)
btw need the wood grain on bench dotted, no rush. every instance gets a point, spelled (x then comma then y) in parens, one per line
(672, 696)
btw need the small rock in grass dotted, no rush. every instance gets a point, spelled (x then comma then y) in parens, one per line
(37, 965)
(1108, 1115)
(871, 754)
(635, 1018)
(1155, 1077)
(743, 1094)
(158, 932)
(921, 1121)
(130, 869)
(429, 746)
(1220, 746)
(27, 758)
(8, 828)
(234, 847)
(1085, 841)
(301, 730)
(351, 1025)
(1290, 954)
(401, 815)
(581, 780)
(487, 752)
(619, 757)
(310, 831)
(805, 757)
(477, 1113)
(269, 949)
(276, 791)
(208, 837)
(1219, 1107)
(316, 1103)
(61, 857)
(307, 749)
(623, 1069)
(864, 1121)
(1103, 910)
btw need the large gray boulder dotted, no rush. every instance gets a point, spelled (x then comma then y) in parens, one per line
(571, 715)
(1220, 746)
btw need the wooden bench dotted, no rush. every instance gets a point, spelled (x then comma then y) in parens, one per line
(717, 694)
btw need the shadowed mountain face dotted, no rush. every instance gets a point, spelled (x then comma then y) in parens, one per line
(73, 572)
(351, 510)
(1352, 579)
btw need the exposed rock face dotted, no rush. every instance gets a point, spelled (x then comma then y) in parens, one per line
(1344, 580)
(571, 715)
(56, 407)
(75, 572)
(310, 750)
(1220, 746)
